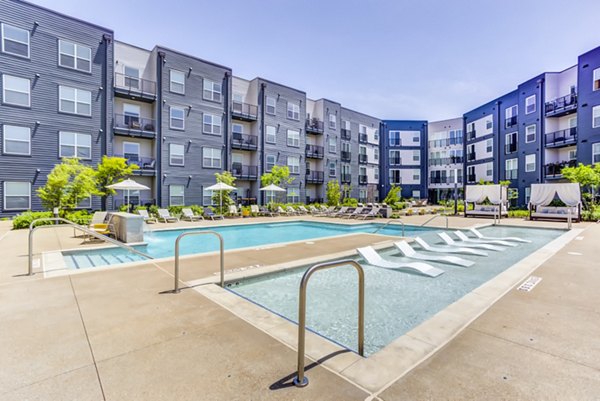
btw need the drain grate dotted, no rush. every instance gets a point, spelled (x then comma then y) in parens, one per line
(529, 284)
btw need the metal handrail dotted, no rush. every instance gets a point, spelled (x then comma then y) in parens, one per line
(387, 224)
(222, 255)
(300, 380)
(435, 217)
(86, 230)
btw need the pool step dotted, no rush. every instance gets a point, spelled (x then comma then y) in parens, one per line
(83, 260)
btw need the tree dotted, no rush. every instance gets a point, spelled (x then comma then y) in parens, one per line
(278, 175)
(333, 193)
(67, 185)
(110, 171)
(223, 197)
(586, 176)
(346, 190)
(393, 195)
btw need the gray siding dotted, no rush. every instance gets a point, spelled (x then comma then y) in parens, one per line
(45, 76)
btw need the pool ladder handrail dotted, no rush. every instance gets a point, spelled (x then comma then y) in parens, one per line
(176, 289)
(300, 380)
(33, 229)
(435, 217)
(387, 224)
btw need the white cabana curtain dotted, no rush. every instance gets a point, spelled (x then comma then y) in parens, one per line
(543, 194)
(496, 194)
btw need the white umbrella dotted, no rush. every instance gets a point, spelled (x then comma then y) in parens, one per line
(128, 185)
(272, 188)
(220, 186)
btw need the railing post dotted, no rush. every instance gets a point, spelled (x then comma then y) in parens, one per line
(221, 256)
(569, 221)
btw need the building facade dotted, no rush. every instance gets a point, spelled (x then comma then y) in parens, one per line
(445, 160)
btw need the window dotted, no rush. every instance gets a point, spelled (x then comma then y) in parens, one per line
(489, 169)
(211, 124)
(176, 195)
(510, 115)
(394, 137)
(489, 124)
(177, 118)
(212, 90)
(176, 155)
(596, 152)
(573, 154)
(16, 140)
(332, 121)
(271, 106)
(530, 133)
(395, 176)
(132, 77)
(332, 145)
(16, 91)
(207, 197)
(596, 117)
(211, 158)
(416, 155)
(530, 163)
(293, 138)
(376, 136)
(489, 145)
(332, 169)
(270, 161)
(86, 203)
(74, 101)
(376, 154)
(271, 134)
(416, 194)
(293, 195)
(293, 163)
(530, 104)
(416, 175)
(237, 130)
(395, 159)
(510, 143)
(72, 144)
(293, 111)
(131, 115)
(511, 169)
(177, 82)
(131, 151)
(596, 79)
(416, 138)
(17, 195)
(15, 41)
(527, 194)
(72, 55)
(471, 174)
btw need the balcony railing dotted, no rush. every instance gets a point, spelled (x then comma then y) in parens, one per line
(132, 85)
(134, 200)
(346, 178)
(362, 158)
(511, 121)
(244, 111)
(242, 172)
(346, 134)
(471, 135)
(554, 170)
(144, 163)
(510, 148)
(362, 179)
(446, 160)
(134, 124)
(561, 105)
(310, 200)
(444, 180)
(363, 138)
(244, 141)
(471, 178)
(315, 177)
(471, 156)
(560, 138)
(315, 151)
(440, 143)
(314, 126)
(395, 161)
(346, 156)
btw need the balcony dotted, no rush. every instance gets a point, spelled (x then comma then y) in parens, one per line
(511, 122)
(315, 177)
(444, 180)
(363, 138)
(558, 139)
(446, 160)
(471, 178)
(362, 180)
(315, 151)
(346, 156)
(363, 158)
(244, 141)
(134, 88)
(561, 106)
(134, 126)
(471, 135)
(147, 165)
(510, 148)
(310, 200)
(553, 171)
(242, 172)
(471, 157)
(244, 111)
(346, 178)
(346, 134)
(314, 126)
(395, 161)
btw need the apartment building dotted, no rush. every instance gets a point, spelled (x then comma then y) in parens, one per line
(446, 159)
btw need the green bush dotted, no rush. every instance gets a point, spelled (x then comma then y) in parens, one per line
(175, 210)
(198, 210)
(81, 217)
(518, 213)
(24, 219)
(352, 202)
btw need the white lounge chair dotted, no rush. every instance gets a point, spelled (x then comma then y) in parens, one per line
(339, 213)
(188, 214)
(406, 250)
(448, 249)
(356, 212)
(165, 216)
(461, 236)
(146, 216)
(481, 236)
(234, 212)
(373, 258)
(446, 238)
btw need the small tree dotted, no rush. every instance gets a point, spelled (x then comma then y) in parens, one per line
(278, 175)
(333, 193)
(346, 190)
(67, 185)
(585, 175)
(393, 195)
(109, 171)
(223, 197)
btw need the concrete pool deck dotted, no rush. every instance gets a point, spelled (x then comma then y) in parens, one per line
(110, 334)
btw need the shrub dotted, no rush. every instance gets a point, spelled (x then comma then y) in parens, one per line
(175, 210)
(352, 202)
(518, 213)
(153, 210)
(81, 217)
(198, 210)
(24, 219)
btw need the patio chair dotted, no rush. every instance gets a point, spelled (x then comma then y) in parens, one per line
(211, 215)
(448, 249)
(407, 251)
(303, 210)
(263, 211)
(291, 211)
(371, 214)
(188, 214)
(481, 236)
(234, 212)
(353, 212)
(446, 238)
(165, 216)
(374, 259)
(97, 218)
(325, 211)
(282, 212)
(365, 211)
(343, 210)
(147, 218)
(461, 236)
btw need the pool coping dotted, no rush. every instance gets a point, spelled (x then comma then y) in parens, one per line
(381, 369)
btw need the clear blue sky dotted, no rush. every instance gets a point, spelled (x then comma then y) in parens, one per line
(403, 59)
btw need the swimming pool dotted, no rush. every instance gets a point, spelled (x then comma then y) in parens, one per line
(395, 301)
(161, 244)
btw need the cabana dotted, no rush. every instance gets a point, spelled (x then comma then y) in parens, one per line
(495, 194)
(543, 194)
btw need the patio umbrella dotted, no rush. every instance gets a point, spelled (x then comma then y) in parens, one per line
(272, 188)
(128, 185)
(220, 186)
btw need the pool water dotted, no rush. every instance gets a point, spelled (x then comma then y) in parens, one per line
(161, 244)
(395, 301)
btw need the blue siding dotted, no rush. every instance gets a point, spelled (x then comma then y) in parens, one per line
(587, 99)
